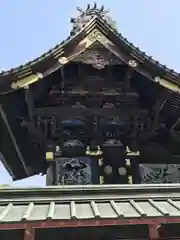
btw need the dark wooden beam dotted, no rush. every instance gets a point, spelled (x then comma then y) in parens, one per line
(153, 221)
(175, 133)
(154, 121)
(29, 98)
(162, 99)
(127, 79)
(157, 110)
(57, 65)
(66, 112)
(62, 84)
(128, 75)
(156, 153)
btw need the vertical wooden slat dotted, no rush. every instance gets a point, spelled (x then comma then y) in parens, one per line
(153, 232)
(29, 234)
(50, 175)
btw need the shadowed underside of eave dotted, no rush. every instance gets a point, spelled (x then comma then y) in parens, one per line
(18, 155)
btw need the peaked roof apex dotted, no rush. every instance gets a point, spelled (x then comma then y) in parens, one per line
(90, 12)
(88, 19)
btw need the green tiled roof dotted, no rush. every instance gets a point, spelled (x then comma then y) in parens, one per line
(89, 202)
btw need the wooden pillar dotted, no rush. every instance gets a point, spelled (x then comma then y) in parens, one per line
(153, 232)
(29, 233)
(50, 158)
(62, 85)
(50, 175)
(29, 98)
(131, 162)
(97, 162)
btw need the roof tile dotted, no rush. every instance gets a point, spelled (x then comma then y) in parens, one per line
(88, 210)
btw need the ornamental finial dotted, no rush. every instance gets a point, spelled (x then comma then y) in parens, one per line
(93, 10)
(86, 15)
(95, 6)
(80, 10)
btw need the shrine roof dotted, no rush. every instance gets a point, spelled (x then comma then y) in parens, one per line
(94, 18)
(96, 202)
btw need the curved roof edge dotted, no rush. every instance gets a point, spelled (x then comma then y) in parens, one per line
(54, 52)
(57, 51)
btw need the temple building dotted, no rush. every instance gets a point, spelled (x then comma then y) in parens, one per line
(98, 117)
(92, 110)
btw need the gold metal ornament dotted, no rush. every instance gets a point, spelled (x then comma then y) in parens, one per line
(49, 156)
(101, 180)
(165, 83)
(93, 153)
(130, 153)
(100, 161)
(63, 60)
(27, 81)
(95, 35)
(130, 179)
(133, 63)
(128, 162)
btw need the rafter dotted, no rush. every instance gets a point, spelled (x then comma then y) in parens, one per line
(16, 147)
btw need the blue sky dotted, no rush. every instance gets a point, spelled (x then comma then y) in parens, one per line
(29, 28)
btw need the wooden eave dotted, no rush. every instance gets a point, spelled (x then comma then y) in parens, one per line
(42, 63)
(49, 59)
(151, 66)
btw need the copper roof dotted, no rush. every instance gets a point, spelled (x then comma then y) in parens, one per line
(90, 202)
(89, 210)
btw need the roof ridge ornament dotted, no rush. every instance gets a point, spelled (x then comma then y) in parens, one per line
(93, 10)
(86, 15)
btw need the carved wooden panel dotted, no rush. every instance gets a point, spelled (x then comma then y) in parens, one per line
(160, 173)
(98, 56)
(74, 171)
